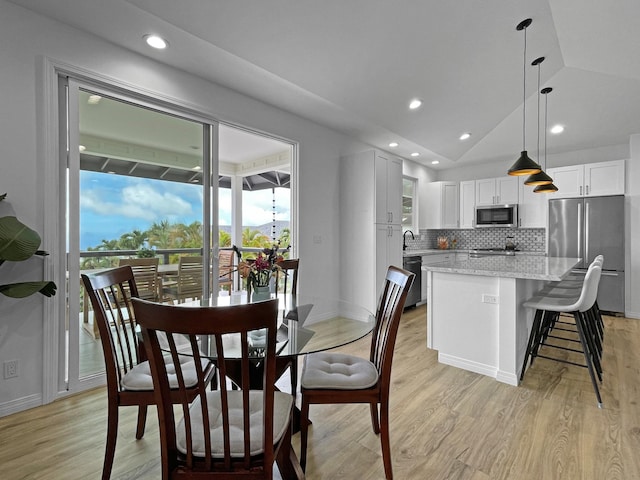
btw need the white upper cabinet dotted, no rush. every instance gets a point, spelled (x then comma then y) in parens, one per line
(442, 201)
(467, 203)
(493, 191)
(590, 180)
(532, 207)
(388, 196)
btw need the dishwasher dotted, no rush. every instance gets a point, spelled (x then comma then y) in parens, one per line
(414, 265)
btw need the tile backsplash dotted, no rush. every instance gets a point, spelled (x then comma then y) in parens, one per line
(528, 239)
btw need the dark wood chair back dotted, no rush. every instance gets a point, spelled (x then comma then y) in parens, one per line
(110, 293)
(287, 276)
(388, 314)
(184, 447)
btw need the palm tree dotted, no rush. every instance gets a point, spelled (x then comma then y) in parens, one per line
(285, 237)
(224, 238)
(160, 234)
(254, 238)
(192, 235)
(132, 240)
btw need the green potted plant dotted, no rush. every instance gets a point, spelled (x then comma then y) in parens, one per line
(18, 243)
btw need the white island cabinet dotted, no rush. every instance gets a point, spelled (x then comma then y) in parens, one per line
(475, 314)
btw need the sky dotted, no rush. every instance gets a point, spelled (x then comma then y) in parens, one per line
(111, 205)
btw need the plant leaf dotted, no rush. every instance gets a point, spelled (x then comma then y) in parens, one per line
(17, 241)
(25, 289)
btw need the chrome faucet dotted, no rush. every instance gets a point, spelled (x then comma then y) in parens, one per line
(404, 238)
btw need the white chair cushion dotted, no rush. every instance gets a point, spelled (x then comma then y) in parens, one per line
(338, 371)
(283, 402)
(139, 377)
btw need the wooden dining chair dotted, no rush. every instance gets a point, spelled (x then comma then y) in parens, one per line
(286, 281)
(225, 268)
(187, 283)
(129, 381)
(145, 272)
(223, 433)
(287, 276)
(329, 377)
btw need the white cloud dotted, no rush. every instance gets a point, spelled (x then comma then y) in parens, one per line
(138, 201)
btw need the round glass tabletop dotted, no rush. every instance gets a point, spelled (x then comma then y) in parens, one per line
(306, 324)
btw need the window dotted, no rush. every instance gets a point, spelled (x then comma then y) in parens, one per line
(409, 201)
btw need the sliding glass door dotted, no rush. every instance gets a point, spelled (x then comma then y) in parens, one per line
(147, 180)
(137, 188)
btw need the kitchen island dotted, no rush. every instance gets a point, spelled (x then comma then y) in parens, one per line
(475, 316)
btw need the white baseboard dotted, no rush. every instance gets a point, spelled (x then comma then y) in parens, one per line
(481, 368)
(20, 404)
(635, 315)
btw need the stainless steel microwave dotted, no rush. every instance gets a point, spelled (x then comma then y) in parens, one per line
(496, 216)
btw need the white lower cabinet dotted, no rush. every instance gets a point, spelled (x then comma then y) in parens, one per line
(434, 258)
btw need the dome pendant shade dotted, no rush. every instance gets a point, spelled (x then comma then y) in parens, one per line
(540, 178)
(524, 166)
(548, 188)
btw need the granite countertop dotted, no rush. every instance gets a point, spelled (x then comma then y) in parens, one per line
(429, 251)
(534, 267)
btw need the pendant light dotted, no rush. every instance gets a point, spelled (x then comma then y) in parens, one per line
(549, 187)
(540, 178)
(524, 165)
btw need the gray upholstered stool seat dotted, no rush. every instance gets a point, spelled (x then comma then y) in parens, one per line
(338, 371)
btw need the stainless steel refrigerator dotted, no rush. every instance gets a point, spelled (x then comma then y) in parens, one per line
(585, 228)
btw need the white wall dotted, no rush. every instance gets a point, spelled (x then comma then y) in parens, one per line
(26, 38)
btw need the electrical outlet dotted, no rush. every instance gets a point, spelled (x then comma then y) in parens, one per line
(10, 369)
(489, 298)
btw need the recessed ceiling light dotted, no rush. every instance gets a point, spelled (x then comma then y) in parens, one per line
(464, 136)
(94, 99)
(435, 162)
(557, 129)
(415, 154)
(155, 41)
(82, 148)
(415, 103)
(393, 144)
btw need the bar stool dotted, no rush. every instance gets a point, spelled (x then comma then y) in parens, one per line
(549, 306)
(571, 286)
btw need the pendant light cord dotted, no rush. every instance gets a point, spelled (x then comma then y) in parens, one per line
(546, 99)
(538, 142)
(524, 90)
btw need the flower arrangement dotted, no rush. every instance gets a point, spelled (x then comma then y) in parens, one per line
(258, 272)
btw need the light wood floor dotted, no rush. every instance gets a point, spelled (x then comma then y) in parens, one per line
(445, 424)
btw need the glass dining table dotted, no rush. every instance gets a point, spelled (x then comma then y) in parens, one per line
(306, 324)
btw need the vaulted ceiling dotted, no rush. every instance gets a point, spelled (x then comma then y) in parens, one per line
(354, 65)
